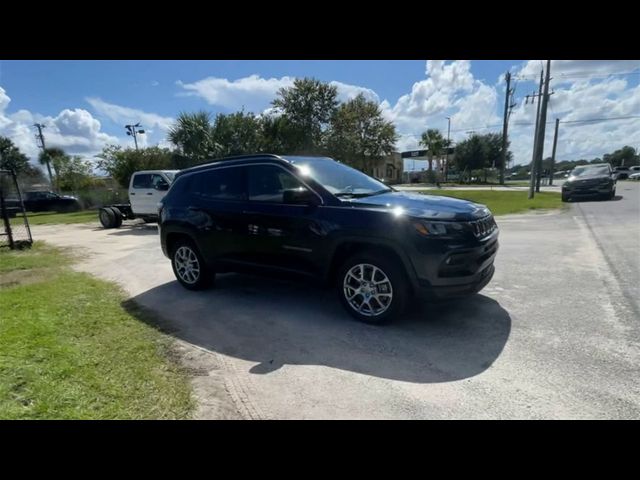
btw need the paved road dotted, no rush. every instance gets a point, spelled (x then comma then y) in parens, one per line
(556, 334)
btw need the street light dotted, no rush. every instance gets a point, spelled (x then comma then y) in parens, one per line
(134, 130)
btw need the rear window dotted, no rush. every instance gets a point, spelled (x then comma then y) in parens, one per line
(219, 184)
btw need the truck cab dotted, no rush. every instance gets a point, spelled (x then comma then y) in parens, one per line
(147, 188)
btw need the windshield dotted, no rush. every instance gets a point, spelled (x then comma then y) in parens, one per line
(338, 178)
(584, 171)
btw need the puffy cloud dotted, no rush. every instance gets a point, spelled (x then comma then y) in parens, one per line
(346, 92)
(74, 130)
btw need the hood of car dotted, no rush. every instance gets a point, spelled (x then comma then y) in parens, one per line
(588, 178)
(433, 207)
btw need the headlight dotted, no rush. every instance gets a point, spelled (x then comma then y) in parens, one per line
(438, 229)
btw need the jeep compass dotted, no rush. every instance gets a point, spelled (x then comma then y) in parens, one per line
(318, 217)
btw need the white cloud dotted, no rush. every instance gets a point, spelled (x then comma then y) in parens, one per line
(578, 68)
(125, 115)
(254, 93)
(346, 92)
(75, 130)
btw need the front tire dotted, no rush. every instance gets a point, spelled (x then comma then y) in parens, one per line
(189, 267)
(565, 197)
(372, 289)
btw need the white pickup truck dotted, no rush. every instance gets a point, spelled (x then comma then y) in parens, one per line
(146, 189)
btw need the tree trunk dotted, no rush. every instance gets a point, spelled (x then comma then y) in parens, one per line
(430, 161)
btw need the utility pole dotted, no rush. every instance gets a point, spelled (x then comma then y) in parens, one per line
(505, 126)
(553, 152)
(42, 145)
(542, 125)
(534, 156)
(446, 165)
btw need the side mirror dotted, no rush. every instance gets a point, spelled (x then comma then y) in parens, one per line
(300, 196)
(163, 187)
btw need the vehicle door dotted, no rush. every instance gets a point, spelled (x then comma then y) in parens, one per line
(217, 198)
(283, 220)
(143, 193)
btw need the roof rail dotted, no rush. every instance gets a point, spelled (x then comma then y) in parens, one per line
(254, 156)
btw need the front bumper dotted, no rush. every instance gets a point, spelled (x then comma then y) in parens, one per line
(461, 271)
(587, 190)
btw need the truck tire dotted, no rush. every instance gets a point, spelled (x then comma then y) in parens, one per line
(372, 288)
(107, 217)
(189, 266)
(118, 217)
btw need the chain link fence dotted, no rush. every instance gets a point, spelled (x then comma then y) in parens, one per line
(15, 231)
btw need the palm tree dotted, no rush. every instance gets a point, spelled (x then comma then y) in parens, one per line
(48, 157)
(433, 140)
(192, 134)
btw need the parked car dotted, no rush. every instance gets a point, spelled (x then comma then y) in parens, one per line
(634, 176)
(44, 201)
(597, 179)
(622, 173)
(318, 217)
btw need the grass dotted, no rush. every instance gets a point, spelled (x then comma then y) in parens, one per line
(52, 218)
(69, 349)
(505, 202)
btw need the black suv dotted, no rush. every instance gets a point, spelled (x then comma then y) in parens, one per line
(595, 180)
(318, 217)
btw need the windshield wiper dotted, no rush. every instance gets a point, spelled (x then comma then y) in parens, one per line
(361, 195)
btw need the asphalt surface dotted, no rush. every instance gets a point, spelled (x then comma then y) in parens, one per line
(556, 334)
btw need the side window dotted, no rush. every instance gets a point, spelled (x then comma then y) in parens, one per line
(267, 183)
(142, 180)
(219, 184)
(157, 180)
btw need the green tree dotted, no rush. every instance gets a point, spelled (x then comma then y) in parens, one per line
(73, 173)
(121, 164)
(11, 157)
(624, 156)
(359, 135)
(278, 135)
(236, 134)
(308, 105)
(52, 158)
(192, 134)
(480, 152)
(435, 143)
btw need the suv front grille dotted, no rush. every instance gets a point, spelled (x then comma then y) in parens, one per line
(483, 227)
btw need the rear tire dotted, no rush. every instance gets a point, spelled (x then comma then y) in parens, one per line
(189, 266)
(107, 217)
(118, 217)
(373, 289)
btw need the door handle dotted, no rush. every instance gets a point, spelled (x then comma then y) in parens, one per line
(194, 209)
(132, 193)
(247, 212)
(149, 193)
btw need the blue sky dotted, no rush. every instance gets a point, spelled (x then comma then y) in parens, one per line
(86, 103)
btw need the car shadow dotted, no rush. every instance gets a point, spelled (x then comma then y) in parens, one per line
(617, 198)
(275, 322)
(133, 229)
